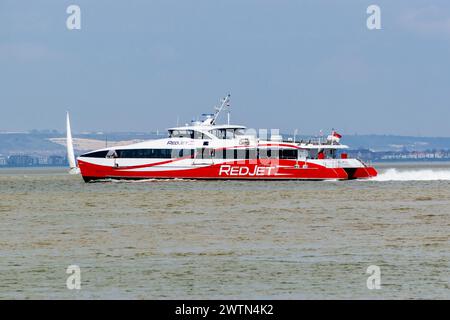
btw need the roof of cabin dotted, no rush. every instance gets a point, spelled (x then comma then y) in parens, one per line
(208, 127)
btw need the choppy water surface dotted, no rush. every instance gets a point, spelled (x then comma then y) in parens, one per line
(224, 239)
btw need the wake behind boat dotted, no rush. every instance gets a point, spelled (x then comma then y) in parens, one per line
(206, 150)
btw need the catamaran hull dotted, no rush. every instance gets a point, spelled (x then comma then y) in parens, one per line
(283, 170)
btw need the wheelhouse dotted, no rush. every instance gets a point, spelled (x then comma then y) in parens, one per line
(205, 132)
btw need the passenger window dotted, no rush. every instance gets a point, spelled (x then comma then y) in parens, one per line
(240, 153)
(252, 154)
(288, 154)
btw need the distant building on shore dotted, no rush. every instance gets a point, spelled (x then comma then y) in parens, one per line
(405, 155)
(44, 160)
(22, 160)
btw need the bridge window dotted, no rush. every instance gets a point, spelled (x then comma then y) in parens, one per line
(200, 135)
(229, 133)
(192, 134)
(181, 134)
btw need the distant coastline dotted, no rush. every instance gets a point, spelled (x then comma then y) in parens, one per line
(47, 148)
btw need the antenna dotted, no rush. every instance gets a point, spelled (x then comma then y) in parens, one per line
(228, 110)
(332, 136)
(225, 104)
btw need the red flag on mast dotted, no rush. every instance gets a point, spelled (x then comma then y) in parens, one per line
(336, 135)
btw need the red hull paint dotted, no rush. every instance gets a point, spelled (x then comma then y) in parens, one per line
(363, 173)
(283, 170)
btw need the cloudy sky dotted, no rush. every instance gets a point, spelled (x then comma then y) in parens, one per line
(311, 65)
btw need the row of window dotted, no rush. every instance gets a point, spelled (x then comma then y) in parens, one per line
(149, 153)
(248, 154)
(187, 134)
(204, 153)
(141, 153)
(229, 133)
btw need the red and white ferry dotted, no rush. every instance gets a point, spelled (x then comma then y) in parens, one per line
(207, 150)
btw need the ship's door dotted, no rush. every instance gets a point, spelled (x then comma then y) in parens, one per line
(302, 155)
(204, 155)
(112, 154)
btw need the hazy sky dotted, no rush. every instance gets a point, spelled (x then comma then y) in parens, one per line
(311, 65)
